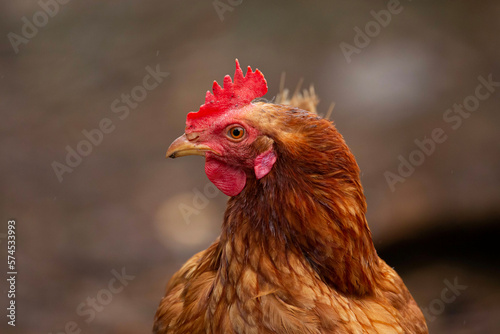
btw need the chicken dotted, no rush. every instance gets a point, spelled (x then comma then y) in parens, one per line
(295, 254)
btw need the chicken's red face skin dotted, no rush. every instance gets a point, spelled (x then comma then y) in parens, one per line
(233, 160)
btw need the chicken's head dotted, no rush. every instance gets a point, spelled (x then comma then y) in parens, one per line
(226, 131)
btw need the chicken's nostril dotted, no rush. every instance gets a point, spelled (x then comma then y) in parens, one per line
(192, 136)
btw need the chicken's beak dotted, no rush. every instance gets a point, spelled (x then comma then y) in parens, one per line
(187, 145)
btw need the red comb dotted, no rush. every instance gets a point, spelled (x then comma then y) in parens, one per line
(234, 95)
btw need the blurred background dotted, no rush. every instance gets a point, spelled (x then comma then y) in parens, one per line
(80, 70)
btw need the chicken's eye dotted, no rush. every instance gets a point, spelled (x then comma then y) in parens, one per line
(236, 132)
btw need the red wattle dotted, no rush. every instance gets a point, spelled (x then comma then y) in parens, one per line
(228, 179)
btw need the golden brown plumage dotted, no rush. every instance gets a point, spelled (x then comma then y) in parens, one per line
(295, 254)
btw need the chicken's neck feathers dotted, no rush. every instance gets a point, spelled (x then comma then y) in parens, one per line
(312, 207)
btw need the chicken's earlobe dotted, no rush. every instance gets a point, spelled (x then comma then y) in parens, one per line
(264, 163)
